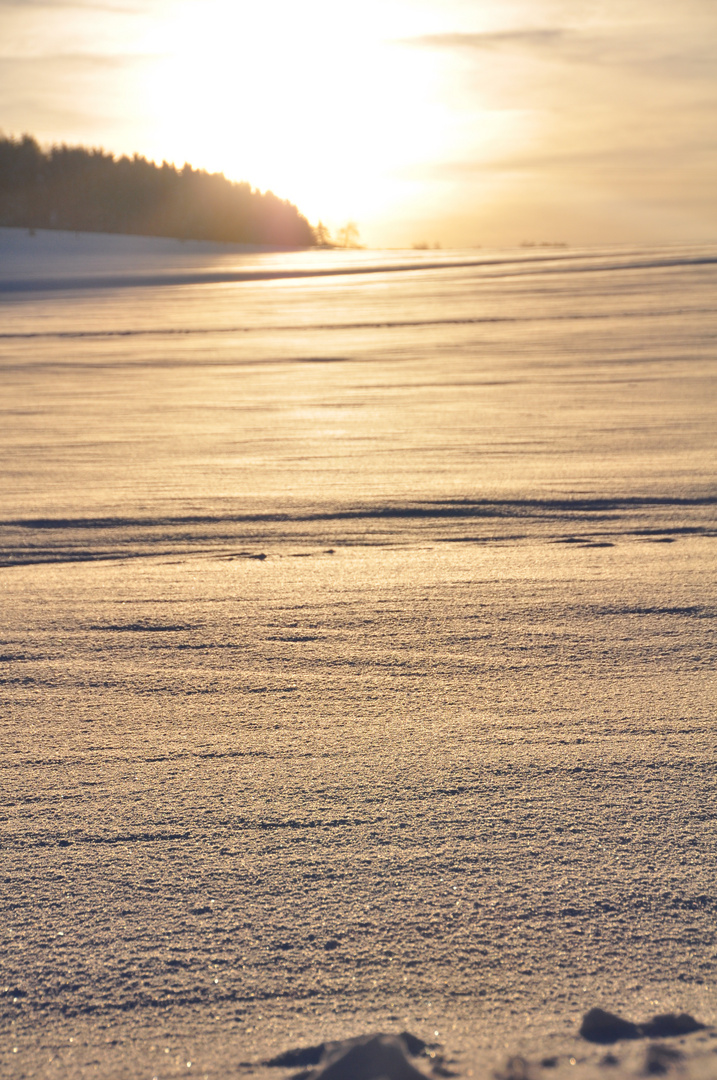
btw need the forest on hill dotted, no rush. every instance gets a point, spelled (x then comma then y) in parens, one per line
(89, 190)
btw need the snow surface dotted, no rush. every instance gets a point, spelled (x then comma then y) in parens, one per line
(40, 252)
(357, 660)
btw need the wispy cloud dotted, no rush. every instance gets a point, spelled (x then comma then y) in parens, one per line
(52, 63)
(650, 47)
(68, 97)
(612, 115)
(95, 5)
(527, 38)
(604, 162)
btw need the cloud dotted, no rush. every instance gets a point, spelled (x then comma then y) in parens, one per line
(563, 69)
(95, 5)
(604, 162)
(597, 117)
(68, 98)
(615, 45)
(491, 40)
(70, 62)
(691, 56)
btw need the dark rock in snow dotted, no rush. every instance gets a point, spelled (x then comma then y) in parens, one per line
(413, 1044)
(671, 1024)
(604, 1027)
(378, 1056)
(368, 1057)
(299, 1058)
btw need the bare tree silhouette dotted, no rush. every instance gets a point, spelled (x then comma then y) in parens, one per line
(348, 236)
(323, 236)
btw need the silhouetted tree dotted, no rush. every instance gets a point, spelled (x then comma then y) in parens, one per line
(348, 236)
(91, 191)
(323, 236)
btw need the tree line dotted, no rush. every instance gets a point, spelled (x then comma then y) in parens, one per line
(89, 190)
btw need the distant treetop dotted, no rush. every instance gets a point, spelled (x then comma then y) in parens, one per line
(85, 190)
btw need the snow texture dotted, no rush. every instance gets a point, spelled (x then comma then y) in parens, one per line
(357, 652)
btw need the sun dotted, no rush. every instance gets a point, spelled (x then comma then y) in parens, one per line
(316, 101)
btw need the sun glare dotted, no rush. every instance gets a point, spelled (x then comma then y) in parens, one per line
(309, 100)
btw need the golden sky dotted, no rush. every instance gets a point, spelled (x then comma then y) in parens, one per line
(460, 121)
